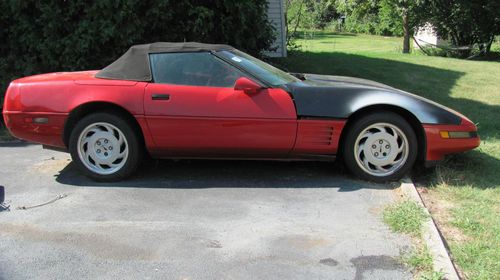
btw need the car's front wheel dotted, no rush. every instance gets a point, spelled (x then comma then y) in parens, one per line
(105, 147)
(380, 147)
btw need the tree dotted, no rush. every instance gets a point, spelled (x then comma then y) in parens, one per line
(389, 20)
(385, 17)
(307, 14)
(322, 12)
(466, 22)
(294, 11)
(361, 16)
(411, 14)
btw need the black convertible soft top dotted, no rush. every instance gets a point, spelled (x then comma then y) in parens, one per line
(134, 64)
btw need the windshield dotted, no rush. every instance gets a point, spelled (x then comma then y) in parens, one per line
(261, 70)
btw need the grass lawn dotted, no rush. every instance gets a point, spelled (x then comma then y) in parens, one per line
(463, 194)
(408, 217)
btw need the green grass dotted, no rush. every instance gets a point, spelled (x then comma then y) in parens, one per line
(421, 262)
(408, 217)
(420, 259)
(405, 217)
(469, 182)
(431, 275)
(476, 215)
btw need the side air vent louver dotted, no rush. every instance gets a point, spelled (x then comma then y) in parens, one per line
(317, 135)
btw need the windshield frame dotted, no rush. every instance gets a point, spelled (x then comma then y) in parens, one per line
(253, 74)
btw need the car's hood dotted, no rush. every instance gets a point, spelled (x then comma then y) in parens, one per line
(339, 97)
(327, 80)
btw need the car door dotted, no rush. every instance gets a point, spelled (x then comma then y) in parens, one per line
(193, 110)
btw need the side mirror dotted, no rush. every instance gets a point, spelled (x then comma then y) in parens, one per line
(247, 85)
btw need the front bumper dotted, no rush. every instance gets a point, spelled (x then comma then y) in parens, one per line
(438, 146)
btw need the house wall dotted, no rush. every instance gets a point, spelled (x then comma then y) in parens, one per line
(427, 36)
(276, 15)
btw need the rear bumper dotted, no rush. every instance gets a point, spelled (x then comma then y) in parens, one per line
(23, 126)
(438, 147)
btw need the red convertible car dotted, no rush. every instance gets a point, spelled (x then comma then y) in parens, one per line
(193, 100)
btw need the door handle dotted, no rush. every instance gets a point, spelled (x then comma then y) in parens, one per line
(160, 96)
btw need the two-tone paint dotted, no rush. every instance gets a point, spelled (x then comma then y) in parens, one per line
(302, 120)
(338, 97)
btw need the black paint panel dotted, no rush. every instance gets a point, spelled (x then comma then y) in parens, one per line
(339, 97)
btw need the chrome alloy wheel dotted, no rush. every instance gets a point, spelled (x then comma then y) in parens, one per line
(381, 149)
(103, 148)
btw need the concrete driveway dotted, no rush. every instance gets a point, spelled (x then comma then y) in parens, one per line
(194, 220)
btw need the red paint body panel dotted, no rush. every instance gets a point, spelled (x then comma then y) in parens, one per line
(12, 99)
(63, 95)
(225, 137)
(210, 121)
(218, 102)
(47, 134)
(55, 95)
(438, 147)
(148, 138)
(318, 136)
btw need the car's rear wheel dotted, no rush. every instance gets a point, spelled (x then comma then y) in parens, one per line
(380, 147)
(105, 147)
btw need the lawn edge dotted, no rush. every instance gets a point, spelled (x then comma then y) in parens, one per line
(431, 236)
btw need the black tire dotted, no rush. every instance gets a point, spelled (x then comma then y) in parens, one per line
(355, 163)
(135, 150)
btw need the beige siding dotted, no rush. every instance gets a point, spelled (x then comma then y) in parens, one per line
(275, 14)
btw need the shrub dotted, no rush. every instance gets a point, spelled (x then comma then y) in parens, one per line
(54, 35)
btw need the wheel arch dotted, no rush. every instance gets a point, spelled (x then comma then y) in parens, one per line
(407, 115)
(99, 106)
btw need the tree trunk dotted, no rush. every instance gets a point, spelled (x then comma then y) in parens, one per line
(286, 24)
(294, 32)
(406, 33)
(488, 45)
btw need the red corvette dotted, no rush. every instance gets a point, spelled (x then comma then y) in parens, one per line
(192, 100)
